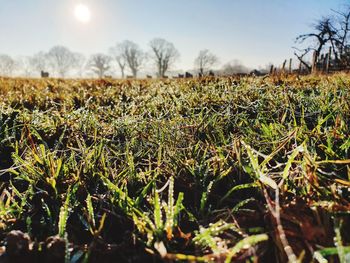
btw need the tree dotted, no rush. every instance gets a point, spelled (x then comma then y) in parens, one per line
(164, 55)
(100, 64)
(325, 33)
(328, 32)
(343, 19)
(204, 61)
(62, 60)
(300, 57)
(80, 65)
(234, 67)
(129, 53)
(23, 65)
(342, 35)
(116, 53)
(121, 60)
(7, 65)
(39, 62)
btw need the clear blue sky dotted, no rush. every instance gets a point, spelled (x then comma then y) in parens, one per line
(254, 31)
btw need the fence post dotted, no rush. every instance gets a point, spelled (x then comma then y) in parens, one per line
(290, 66)
(300, 67)
(284, 66)
(328, 62)
(322, 62)
(271, 70)
(314, 61)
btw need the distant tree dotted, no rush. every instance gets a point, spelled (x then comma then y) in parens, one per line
(117, 54)
(39, 62)
(164, 55)
(234, 67)
(23, 66)
(204, 61)
(80, 65)
(343, 30)
(121, 60)
(7, 65)
(62, 60)
(129, 54)
(100, 64)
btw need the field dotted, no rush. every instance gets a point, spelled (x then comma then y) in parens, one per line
(217, 169)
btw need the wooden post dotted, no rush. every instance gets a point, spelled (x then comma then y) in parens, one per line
(290, 66)
(300, 67)
(324, 63)
(328, 62)
(314, 61)
(284, 65)
(271, 70)
(321, 60)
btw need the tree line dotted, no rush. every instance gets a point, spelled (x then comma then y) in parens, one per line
(126, 58)
(329, 33)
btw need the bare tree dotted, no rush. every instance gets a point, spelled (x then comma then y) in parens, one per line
(330, 31)
(234, 67)
(343, 21)
(7, 65)
(300, 57)
(100, 64)
(62, 60)
(80, 64)
(204, 61)
(129, 54)
(325, 33)
(342, 36)
(164, 55)
(39, 62)
(23, 66)
(121, 60)
(119, 57)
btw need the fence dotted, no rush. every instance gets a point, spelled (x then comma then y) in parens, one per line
(323, 63)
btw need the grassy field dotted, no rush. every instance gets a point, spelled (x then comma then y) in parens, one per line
(244, 170)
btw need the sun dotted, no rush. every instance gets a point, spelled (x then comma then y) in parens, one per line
(82, 13)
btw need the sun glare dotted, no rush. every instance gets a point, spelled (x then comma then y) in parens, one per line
(82, 13)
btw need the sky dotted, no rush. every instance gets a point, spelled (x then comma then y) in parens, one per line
(255, 32)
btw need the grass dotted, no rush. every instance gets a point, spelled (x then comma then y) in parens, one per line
(217, 169)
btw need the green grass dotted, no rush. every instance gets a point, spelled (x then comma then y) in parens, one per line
(205, 170)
